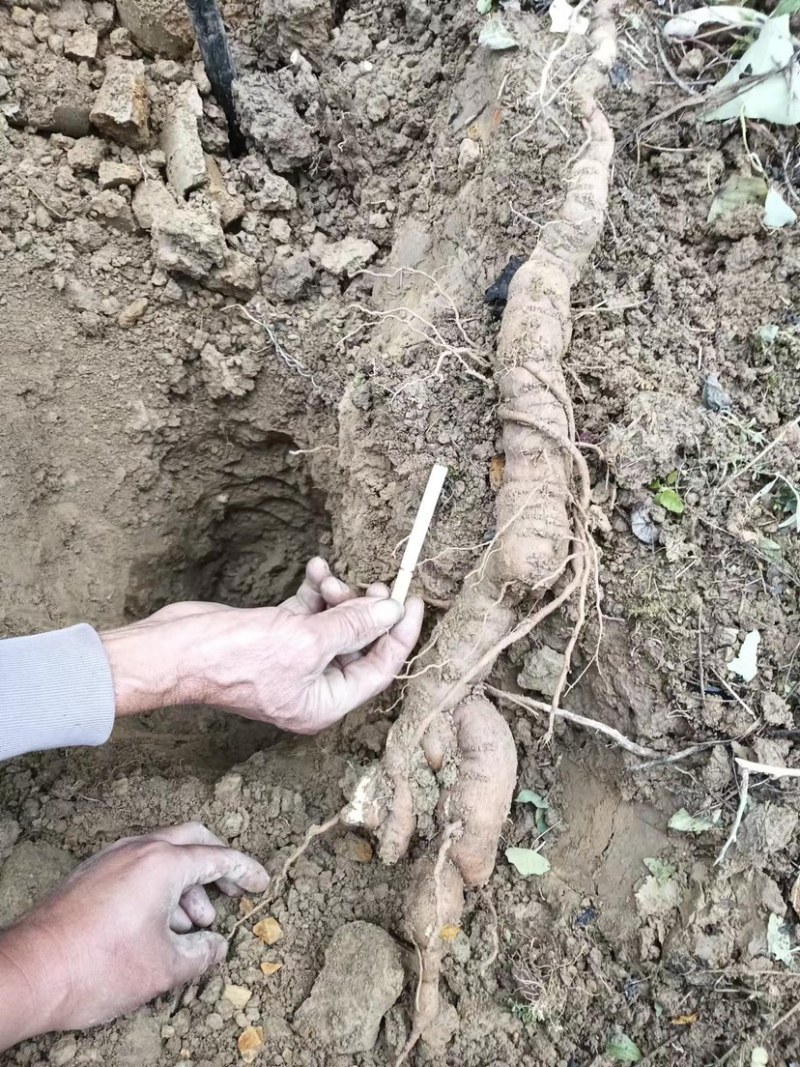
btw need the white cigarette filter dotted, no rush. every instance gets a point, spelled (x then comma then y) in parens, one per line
(419, 531)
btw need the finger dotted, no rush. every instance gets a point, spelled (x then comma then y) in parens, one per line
(335, 592)
(194, 953)
(194, 833)
(351, 626)
(186, 833)
(308, 600)
(370, 675)
(378, 591)
(179, 922)
(197, 906)
(201, 864)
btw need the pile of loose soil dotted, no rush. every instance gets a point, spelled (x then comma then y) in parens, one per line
(197, 400)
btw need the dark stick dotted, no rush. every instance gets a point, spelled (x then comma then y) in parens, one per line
(213, 41)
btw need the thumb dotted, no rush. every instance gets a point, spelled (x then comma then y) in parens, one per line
(195, 953)
(352, 626)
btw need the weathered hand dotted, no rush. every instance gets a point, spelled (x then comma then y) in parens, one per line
(120, 930)
(300, 666)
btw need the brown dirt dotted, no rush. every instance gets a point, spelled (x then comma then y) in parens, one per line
(182, 457)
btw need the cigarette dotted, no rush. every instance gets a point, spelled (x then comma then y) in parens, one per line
(419, 531)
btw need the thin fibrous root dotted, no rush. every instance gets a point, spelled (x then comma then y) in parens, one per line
(311, 833)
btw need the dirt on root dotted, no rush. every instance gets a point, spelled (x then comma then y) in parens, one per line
(160, 443)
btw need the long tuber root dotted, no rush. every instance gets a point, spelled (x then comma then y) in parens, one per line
(449, 743)
(450, 764)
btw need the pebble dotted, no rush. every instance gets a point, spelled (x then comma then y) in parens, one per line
(238, 995)
(64, 1051)
(131, 314)
(23, 240)
(469, 154)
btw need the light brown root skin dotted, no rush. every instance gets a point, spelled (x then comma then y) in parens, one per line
(541, 522)
(480, 799)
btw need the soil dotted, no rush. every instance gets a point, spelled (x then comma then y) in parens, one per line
(160, 443)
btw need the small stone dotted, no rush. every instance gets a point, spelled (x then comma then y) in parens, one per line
(347, 257)
(113, 209)
(120, 41)
(81, 45)
(81, 297)
(68, 16)
(238, 995)
(159, 27)
(362, 978)
(122, 107)
(86, 154)
(378, 107)
(201, 78)
(168, 70)
(280, 231)
(469, 154)
(41, 27)
(130, 315)
(418, 15)
(250, 1042)
(714, 396)
(189, 241)
(23, 240)
(292, 276)
(214, 1021)
(5, 87)
(21, 16)
(353, 43)
(268, 930)
(238, 277)
(112, 174)
(272, 122)
(55, 42)
(103, 17)
(277, 194)
(64, 1051)
(150, 199)
(180, 140)
(228, 790)
(231, 208)
(541, 671)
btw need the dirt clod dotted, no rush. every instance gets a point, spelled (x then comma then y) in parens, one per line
(361, 979)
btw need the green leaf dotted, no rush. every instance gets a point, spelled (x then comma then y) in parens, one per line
(671, 478)
(662, 872)
(670, 499)
(776, 96)
(620, 1048)
(786, 7)
(694, 824)
(484, 7)
(496, 37)
(528, 861)
(767, 334)
(777, 212)
(527, 796)
(779, 943)
(770, 549)
(736, 192)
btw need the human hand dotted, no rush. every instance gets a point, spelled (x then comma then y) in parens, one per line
(119, 931)
(300, 666)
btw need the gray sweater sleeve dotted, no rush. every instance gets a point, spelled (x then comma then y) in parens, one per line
(55, 690)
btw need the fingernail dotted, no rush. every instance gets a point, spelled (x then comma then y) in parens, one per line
(343, 587)
(387, 612)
